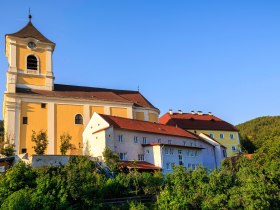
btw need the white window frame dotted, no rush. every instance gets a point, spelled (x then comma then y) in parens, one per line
(222, 136)
(234, 148)
(144, 140)
(123, 155)
(231, 136)
(120, 138)
(135, 140)
(169, 141)
(212, 135)
(141, 157)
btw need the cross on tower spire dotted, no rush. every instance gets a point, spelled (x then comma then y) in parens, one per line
(29, 16)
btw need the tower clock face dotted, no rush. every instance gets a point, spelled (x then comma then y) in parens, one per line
(31, 45)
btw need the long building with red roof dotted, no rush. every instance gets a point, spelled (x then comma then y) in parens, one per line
(197, 122)
(160, 146)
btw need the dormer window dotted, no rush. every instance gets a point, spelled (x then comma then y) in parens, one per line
(32, 62)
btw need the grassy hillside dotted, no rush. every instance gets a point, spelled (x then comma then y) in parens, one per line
(256, 132)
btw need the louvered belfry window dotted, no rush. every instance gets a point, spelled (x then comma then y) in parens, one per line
(32, 62)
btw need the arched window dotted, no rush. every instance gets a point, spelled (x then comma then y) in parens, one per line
(78, 119)
(32, 62)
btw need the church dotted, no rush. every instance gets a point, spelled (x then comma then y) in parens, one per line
(33, 102)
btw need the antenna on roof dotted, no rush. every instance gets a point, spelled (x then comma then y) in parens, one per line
(138, 88)
(29, 16)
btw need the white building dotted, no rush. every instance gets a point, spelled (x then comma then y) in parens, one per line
(158, 144)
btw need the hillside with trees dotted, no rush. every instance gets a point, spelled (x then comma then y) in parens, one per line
(256, 132)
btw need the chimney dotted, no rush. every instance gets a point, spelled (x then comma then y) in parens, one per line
(180, 111)
(170, 111)
(210, 113)
(192, 112)
(199, 113)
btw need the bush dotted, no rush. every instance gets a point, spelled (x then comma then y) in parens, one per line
(65, 145)
(41, 142)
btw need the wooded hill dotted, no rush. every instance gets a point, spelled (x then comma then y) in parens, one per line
(254, 133)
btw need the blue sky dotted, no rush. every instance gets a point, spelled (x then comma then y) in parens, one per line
(219, 56)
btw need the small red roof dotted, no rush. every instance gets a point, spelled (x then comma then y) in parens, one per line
(139, 165)
(190, 121)
(144, 126)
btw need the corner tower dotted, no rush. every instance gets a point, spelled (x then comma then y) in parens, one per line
(29, 55)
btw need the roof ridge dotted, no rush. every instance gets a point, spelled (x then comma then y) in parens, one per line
(109, 89)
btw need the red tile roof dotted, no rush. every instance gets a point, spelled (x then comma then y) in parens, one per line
(139, 165)
(190, 121)
(172, 145)
(92, 93)
(148, 127)
(30, 31)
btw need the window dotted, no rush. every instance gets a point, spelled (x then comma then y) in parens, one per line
(233, 148)
(196, 153)
(193, 166)
(25, 120)
(78, 119)
(184, 143)
(192, 153)
(147, 151)
(32, 62)
(231, 136)
(169, 141)
(120, 138)
(189, 166)
(211, 135)
(159, 141)
(171, 151)
(43, 105)
(221, 136)
(140, 157)
(166, 150)
(224, 153)
(135, 140)
(123, 156)
(180, 157)
(23, 150)
(168, 166)
(144, 140)
(188, 153)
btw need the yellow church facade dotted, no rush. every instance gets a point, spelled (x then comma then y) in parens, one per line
(32, 102)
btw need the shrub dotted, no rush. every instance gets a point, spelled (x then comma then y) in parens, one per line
(41, 142)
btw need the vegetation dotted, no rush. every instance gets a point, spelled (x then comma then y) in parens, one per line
(65, 140)
(256, 132)
(41, 142)
(240, 183)
(111, 159)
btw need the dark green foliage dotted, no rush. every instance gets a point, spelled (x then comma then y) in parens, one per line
(18, 177)
(256, 132)
(19, 200)
(1, 128)
(240, 183)
(41, 142)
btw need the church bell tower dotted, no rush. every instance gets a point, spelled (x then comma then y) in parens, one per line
(29, 55)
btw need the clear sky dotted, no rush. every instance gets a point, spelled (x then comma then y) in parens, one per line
(218, 56)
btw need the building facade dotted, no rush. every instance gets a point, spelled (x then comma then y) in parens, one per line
(158, 144)
(214, 127)
(32, 102)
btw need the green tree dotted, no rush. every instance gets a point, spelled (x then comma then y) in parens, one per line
(18, 177)
(41, 142)
(19, 200)
(111, 159)
(65, 145)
